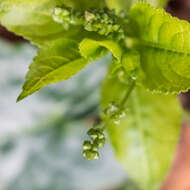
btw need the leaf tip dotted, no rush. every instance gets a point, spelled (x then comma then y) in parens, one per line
(20, 97)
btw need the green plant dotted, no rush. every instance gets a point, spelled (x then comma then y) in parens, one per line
(150, 66)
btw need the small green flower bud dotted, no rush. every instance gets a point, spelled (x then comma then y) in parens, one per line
(90, 154)
(122, 114)
(67, 16)
(89, 16)
(58, 11)
(102, 31)
(58, 15)
(93, 133)
(119, 115)
(89, 27)
(66, 12)
(117, 121)
(95, 147)
(104, 22)
(100, 135)
(112, 109)
(87, 145)
(100, 142)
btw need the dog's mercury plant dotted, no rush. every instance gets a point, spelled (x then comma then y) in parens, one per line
(150, 66)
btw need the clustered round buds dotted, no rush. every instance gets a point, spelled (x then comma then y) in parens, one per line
(115, 113)
(96, 134)
(104, 22)
(90, 154)
(67, 16)
(90, 148)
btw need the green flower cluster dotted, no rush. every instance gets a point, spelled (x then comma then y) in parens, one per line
(90, 148)
(67, 16)
(104, 22)
(115, 112)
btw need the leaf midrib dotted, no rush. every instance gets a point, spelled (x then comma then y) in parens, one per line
(27, 92)
(139, 124)
(159, 46)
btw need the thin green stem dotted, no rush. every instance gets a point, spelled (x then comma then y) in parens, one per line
(131, 87)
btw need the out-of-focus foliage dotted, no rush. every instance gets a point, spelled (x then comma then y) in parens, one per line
(51, 157)
(138, 139)
(40, 146)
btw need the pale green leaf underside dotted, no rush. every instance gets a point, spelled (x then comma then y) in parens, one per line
(33, 19)
(138, 142)
(165, 48)
(92, 49)
(30, 19)
(58, 61)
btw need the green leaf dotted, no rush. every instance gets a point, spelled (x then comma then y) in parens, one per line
(145, 140)
(131, 63)
(165, 71)
(84, 4)
(33, 19)
(128, 69)
(30, 19)
(126, 4)
(164, 47)
(92, 49)
(58, 61)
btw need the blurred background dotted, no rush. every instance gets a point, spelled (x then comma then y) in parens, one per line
(41, 137)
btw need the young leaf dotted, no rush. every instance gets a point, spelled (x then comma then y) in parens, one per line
(164, 47)
(131, 63)
(120, 5)
(145, 140)
(58, 61)
(92, 49)
(165, 71)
